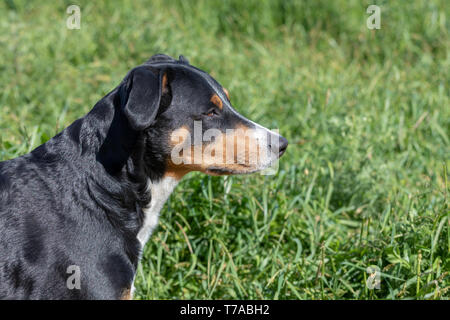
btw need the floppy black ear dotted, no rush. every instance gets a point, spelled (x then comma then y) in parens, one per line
(144, 89)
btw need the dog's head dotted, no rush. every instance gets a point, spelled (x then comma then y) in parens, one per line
(189, 124)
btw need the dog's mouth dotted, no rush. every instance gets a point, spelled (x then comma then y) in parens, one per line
(223, 171)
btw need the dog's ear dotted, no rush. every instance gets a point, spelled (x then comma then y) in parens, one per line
(160, 58)
(183, 59)
(141, 96)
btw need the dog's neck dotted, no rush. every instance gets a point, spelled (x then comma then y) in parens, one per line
(126, 188)
(160, 192)
(132, 188)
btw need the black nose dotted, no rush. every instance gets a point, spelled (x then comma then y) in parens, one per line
(283, 146)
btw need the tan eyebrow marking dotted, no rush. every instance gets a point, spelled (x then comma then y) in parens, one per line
(216, 100)
(164, 84)
(226, 93)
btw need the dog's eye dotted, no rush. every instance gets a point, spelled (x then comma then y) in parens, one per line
(211, 112)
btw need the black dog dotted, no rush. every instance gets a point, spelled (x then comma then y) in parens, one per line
(84, 203)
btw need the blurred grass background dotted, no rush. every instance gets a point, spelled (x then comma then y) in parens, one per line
(364, 180)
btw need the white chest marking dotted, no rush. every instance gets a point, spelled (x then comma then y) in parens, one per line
(160, 191)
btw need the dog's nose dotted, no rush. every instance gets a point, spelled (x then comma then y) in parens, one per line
(283, 146)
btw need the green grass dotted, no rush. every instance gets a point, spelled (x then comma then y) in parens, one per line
(367, 112)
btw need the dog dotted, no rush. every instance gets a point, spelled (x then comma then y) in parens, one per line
(84, 203)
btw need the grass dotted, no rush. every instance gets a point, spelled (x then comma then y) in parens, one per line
(367, 112)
